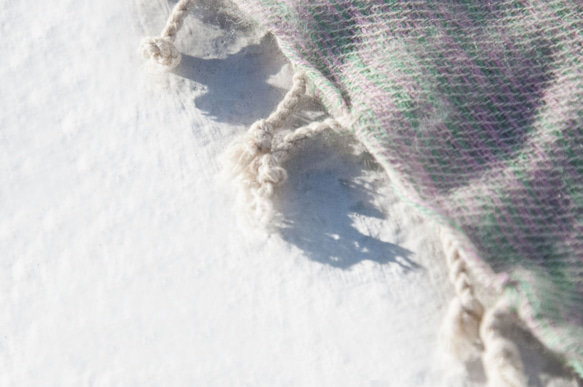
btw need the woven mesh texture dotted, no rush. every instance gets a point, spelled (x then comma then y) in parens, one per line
(476, 109)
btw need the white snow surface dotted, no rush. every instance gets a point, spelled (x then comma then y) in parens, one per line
(125, 260)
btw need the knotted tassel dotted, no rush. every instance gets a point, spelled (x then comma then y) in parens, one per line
(161, 50)
(501, 359)
(256, 162)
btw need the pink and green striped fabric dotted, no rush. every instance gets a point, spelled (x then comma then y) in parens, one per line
(475, 108)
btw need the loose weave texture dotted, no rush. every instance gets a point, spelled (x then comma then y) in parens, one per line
(475, 109)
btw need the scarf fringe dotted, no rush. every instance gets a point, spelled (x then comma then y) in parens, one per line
(256, 162)
(469, 331)
(161, 51)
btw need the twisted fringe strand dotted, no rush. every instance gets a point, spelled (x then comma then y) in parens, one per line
(256, 162)
(501, 359)
(160, 50)
(468, 331)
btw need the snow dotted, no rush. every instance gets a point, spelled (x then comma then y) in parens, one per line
(125, 261)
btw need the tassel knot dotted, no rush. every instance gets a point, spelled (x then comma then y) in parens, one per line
(161, 51)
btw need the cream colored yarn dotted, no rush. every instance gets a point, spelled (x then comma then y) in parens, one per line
(501, 359)
(469, 332)
(256, 162)
(461, 329)
(161, 50)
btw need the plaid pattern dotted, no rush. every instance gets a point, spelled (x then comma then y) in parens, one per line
(475, 108)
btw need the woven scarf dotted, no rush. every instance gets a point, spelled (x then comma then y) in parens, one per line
(475, 110)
